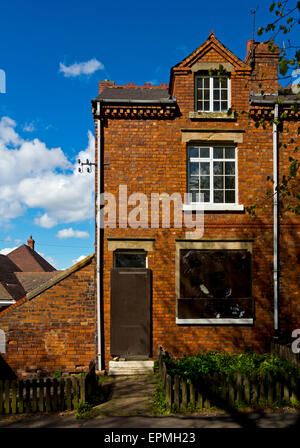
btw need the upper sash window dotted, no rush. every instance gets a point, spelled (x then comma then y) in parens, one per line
(212, 93)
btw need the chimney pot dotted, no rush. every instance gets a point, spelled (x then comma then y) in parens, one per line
(30, 243)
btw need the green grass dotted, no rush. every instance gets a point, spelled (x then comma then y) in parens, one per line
(159, 406)
(85, 410)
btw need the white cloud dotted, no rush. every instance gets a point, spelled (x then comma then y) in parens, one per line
(7, 250)
(70, 233)
(34, 176)
(82, 68)
(29, 127)
(45, 221)
(82, 257)
(8, 136)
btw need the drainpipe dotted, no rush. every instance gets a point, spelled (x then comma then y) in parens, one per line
(275, 223)
(99, 354)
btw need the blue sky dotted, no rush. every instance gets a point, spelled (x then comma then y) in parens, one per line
(45, 114)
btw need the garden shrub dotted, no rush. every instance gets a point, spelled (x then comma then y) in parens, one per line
(207, 363)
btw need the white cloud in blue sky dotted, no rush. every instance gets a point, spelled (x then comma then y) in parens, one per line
(29, 127)
(33, 176)
(76, 260)
(71, 233)
(81, 68)
(45, 221)
(7, 250)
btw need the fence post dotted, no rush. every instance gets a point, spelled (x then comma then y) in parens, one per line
(41, 395)
(286, 391)
(34, 396)
(270, 387)
(6, 399)
(239, 387)
(200, 395)
(160, 362)
(206, 400)
(247, 388)
(176, 392)
(168, 389)
(192, 395)
(82, 389)
(231, 391)
(62, 394)
(48, 395)
(1, 396)
(75, 391)
(27, 396)
(224, 388)
(294, 394)
(14, 397)
(278, 390)
(20, 397)
(55, 395)
(262, 398)
(68, 394)
(164, 373)
(184, 402)
(254, 388)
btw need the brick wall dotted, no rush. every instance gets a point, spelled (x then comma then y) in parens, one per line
(54, 331)
(148, 156)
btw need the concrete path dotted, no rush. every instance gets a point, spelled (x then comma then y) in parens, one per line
(129, 406)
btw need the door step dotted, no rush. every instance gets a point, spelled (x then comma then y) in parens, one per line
(130, 367)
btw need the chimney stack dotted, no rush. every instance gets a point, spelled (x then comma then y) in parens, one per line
(249, 44)
(104, 84)
(30, 243)
(264, 63)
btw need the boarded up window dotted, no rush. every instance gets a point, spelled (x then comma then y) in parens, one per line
(215, 284)
(215, 274)
(2, 342)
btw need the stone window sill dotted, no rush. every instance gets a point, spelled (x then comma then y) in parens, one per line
(248, 321)
(193, 115)
(214, 207)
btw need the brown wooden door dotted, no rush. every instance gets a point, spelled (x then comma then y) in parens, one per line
(130, 311)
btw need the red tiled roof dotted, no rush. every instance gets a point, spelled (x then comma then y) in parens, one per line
(28, 260)
(14, 283)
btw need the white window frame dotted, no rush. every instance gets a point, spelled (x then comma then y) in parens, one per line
(211, 205)
(211, 99)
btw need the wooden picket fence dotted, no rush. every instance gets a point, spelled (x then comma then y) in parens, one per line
(225, 392)
(46, 394)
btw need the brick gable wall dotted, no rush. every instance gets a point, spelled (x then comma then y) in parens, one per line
(54, 331)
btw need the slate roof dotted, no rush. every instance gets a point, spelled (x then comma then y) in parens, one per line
(135, 94)
(32, 280)
(273, 98)
(28, 260)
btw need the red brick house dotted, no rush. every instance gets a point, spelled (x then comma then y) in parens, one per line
(156, 286)
(152, 284)
(22, 270)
